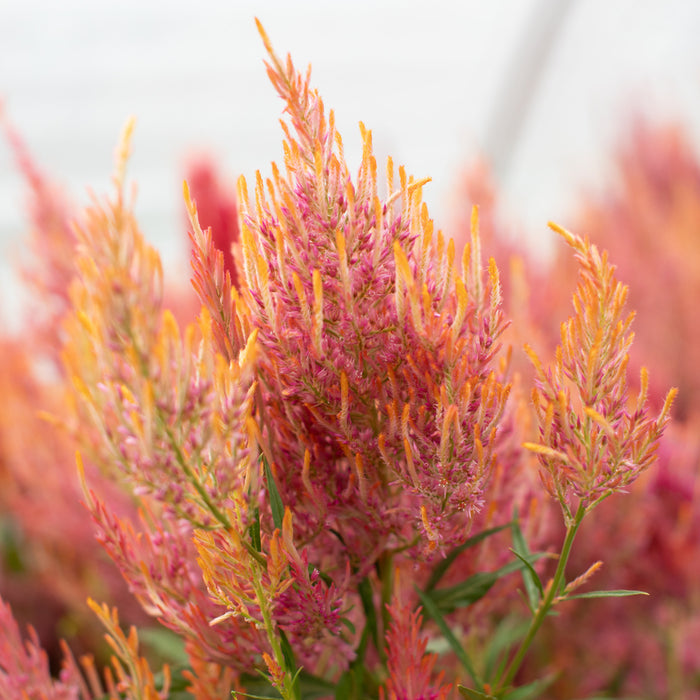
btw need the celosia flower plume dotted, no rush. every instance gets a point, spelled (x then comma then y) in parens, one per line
(593, 441)
(377, 358)
(25, 675)
(52, 242)
(410, 666)
(168, 417)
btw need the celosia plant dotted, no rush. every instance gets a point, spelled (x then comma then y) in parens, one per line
(645, 217)
(317, 455)
(42, 529)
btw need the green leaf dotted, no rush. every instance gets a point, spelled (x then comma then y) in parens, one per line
(606, 594)
(312, 687)
(349, 625)
(431, 609)
(255, 530)
(508, 633)
(276, 505)
(531, 580)
(475, 587)
(532, 690)
(472, 694)
(463, 594)
(365, 590)
(165, 643)
(343, 689)
(356, 683)
(287, 652)
(244, 694)
(444, 564)
(11, 547)
(257, 687)
(349, 685)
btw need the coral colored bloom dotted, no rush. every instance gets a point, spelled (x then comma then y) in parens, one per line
(593, 440)
(24, 667)
(411, 669)
(382, 399)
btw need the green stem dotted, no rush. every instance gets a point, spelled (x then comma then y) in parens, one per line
(386, 573)
(546, 604)
(192, 478)
(290, 689)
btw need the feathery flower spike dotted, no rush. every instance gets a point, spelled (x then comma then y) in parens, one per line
(594, 439)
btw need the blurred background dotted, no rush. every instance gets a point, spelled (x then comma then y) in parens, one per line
(541, 88)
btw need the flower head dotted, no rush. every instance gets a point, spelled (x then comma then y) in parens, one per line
(377, 359)
(411, 669)
(593, 441)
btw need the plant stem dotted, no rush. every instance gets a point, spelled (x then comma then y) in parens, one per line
(192, 478)
(386, 573)
(546, 603)
(289, 691)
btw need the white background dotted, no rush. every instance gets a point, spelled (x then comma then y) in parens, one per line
(434, 81)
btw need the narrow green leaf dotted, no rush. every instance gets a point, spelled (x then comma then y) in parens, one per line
(533, 584)
(255, 530)
(314, 687)
(463, 594)
(276, 504)
(254, 684)
(349, 625)
(531, 581)
(606, 594)
(166, 644)
(310, 687)
(287, 652)
(362, 646)
(476, 586)
(11, 547)
(432, 610)
(444, 564)
(508, 633)
(343, 689)
(532, 690)
(257, 687)
(472, 694)
(295, 685)
(347, 686)
(365, 590)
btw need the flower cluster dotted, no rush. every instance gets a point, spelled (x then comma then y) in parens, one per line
(169, 417)
(382, 399)
(317, 482)
(353, 355)
(644, 647)
(591, 442)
